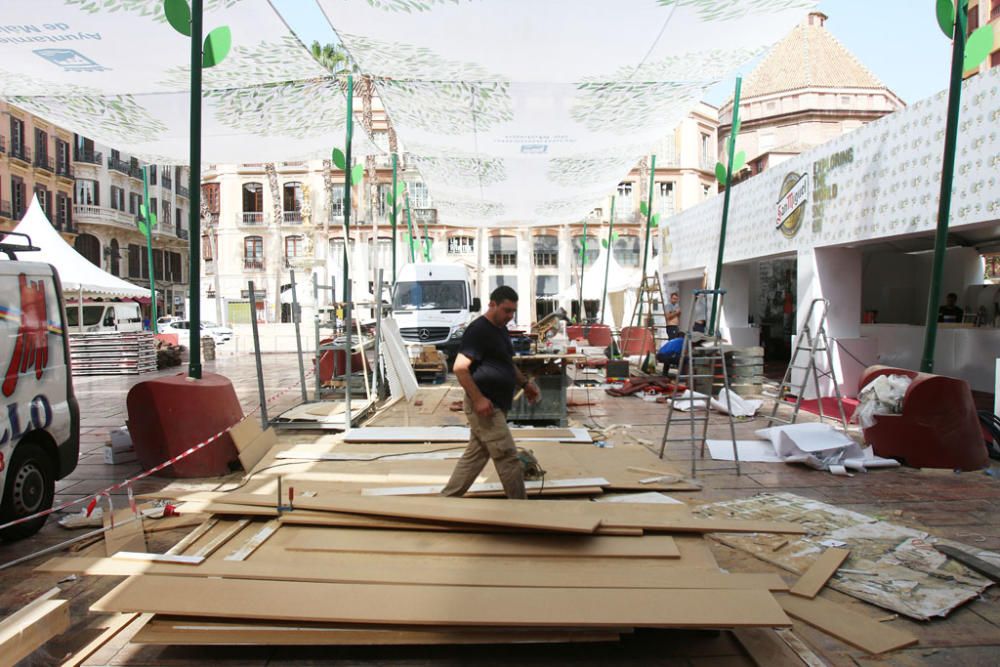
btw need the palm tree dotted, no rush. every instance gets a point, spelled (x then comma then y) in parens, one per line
(331, 56)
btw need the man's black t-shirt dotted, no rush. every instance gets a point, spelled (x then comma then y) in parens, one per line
(950, 314)
(492, 356)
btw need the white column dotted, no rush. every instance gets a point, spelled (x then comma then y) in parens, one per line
(835, 274)
(525, 290)
(565, 265)
(736, 306)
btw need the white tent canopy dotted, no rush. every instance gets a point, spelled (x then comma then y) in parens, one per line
(619, 278)
(75, 271)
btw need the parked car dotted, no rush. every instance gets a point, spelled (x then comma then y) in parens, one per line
(104, 317)
(40, 417)
(166, 319)
(181, 327)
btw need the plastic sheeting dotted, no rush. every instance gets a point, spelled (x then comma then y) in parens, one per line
(531, 112)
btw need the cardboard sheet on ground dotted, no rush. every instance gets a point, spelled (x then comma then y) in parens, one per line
(756, 451)
(890, 565)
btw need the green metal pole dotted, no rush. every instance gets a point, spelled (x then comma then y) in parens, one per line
(149, 248)
(347, 209)
(645, 250)
(583, 261)
(607, 263)
(395, 206)
(725, 205)
(427, 243)
(947, 175)
(409, 225)
(194, 196)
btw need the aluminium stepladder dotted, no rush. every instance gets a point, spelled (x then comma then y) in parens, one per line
(700, 367)
(811, 340)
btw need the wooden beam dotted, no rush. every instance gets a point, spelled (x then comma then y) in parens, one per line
(444, 605)
(766, 648)
(824, 567)
(117, 625)
(856, 629)
(28, 628)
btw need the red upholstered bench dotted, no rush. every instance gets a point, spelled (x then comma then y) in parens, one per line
(938, 427)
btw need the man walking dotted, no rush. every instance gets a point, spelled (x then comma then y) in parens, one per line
(485, 369)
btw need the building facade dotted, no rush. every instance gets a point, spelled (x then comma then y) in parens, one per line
(807, 91)
(266, 220)
(108, 192)
(35, 159)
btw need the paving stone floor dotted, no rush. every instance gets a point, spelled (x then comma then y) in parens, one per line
(963, 507)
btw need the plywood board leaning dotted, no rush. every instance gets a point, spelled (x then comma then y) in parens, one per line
(26, 629)
(244, 432)
(387, 434)
(123, 532)
(254, 451)
(859, 631)
(824, 567)
(473, 544)
(529, 485)
(444, 605)
(224, 536)
(201, 632)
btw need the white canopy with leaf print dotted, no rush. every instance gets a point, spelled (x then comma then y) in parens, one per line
(116, 72)
(530, 112)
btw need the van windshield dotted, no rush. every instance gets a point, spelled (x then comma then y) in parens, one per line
(430, 295)
(91, 315)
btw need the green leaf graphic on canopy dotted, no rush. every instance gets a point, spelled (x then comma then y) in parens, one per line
(978, 47)
(178, 15)
(728, 11)
(739, 161)
(946, 17)
(216, 47)
(720, 173)
(614, 237)
(356, 173)
(339, 161)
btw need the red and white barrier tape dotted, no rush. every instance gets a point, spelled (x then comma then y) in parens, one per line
(93, 498)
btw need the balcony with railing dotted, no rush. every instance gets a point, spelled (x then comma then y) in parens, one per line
(102, 215)
(182, 234)
(90, 157)
(253, 263)
(250, 218)
(64, 169)
(20, 152)
(44, 162)
(182, 191)
(291, 217)
(119, 165)
(168, 182)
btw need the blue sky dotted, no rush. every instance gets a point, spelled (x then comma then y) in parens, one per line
(898, 40)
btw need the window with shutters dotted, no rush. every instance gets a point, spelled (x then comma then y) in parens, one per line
(134, 261)
(17, 200)
(546, 250)
(210, 195)
(503, 251)
(157, 264)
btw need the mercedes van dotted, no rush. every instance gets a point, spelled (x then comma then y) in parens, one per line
(100, 317)
(433, 305)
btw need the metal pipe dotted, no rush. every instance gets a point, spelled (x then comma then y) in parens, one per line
(298, 335)
(256, 352)
(194, 196)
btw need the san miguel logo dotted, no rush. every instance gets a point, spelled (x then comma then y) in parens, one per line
(791, 203)
(31, 347)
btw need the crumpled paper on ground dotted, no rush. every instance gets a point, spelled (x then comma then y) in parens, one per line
(822, 447)
(742, 407)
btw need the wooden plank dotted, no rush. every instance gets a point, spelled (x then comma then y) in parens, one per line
(800, 648)
(203, 632)
(124, 532)
(970, 561)
(228, 533)
(251, 455)
(856, 629)
(244, 433)
(26, 629)
(530, 486)
(473, 544)
(444, 605)
(480, 511)
(117, 625)
(193, 536)
(451, 571)
(766, 648)
(387, 434)
(144, 557)
(257, 539)
(824, 567)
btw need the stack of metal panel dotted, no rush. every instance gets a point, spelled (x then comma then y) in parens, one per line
(112, 353)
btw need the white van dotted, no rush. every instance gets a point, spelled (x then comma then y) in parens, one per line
(433, 304)
(39, 414)
(103, 317)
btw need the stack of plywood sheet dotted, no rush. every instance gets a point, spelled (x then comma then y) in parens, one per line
(434, 570)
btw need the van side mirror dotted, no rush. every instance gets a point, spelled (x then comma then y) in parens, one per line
(477, 305)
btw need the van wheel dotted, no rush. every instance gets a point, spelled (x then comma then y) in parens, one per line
(29, 489)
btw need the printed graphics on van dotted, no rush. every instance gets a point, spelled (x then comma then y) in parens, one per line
(31, 348)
